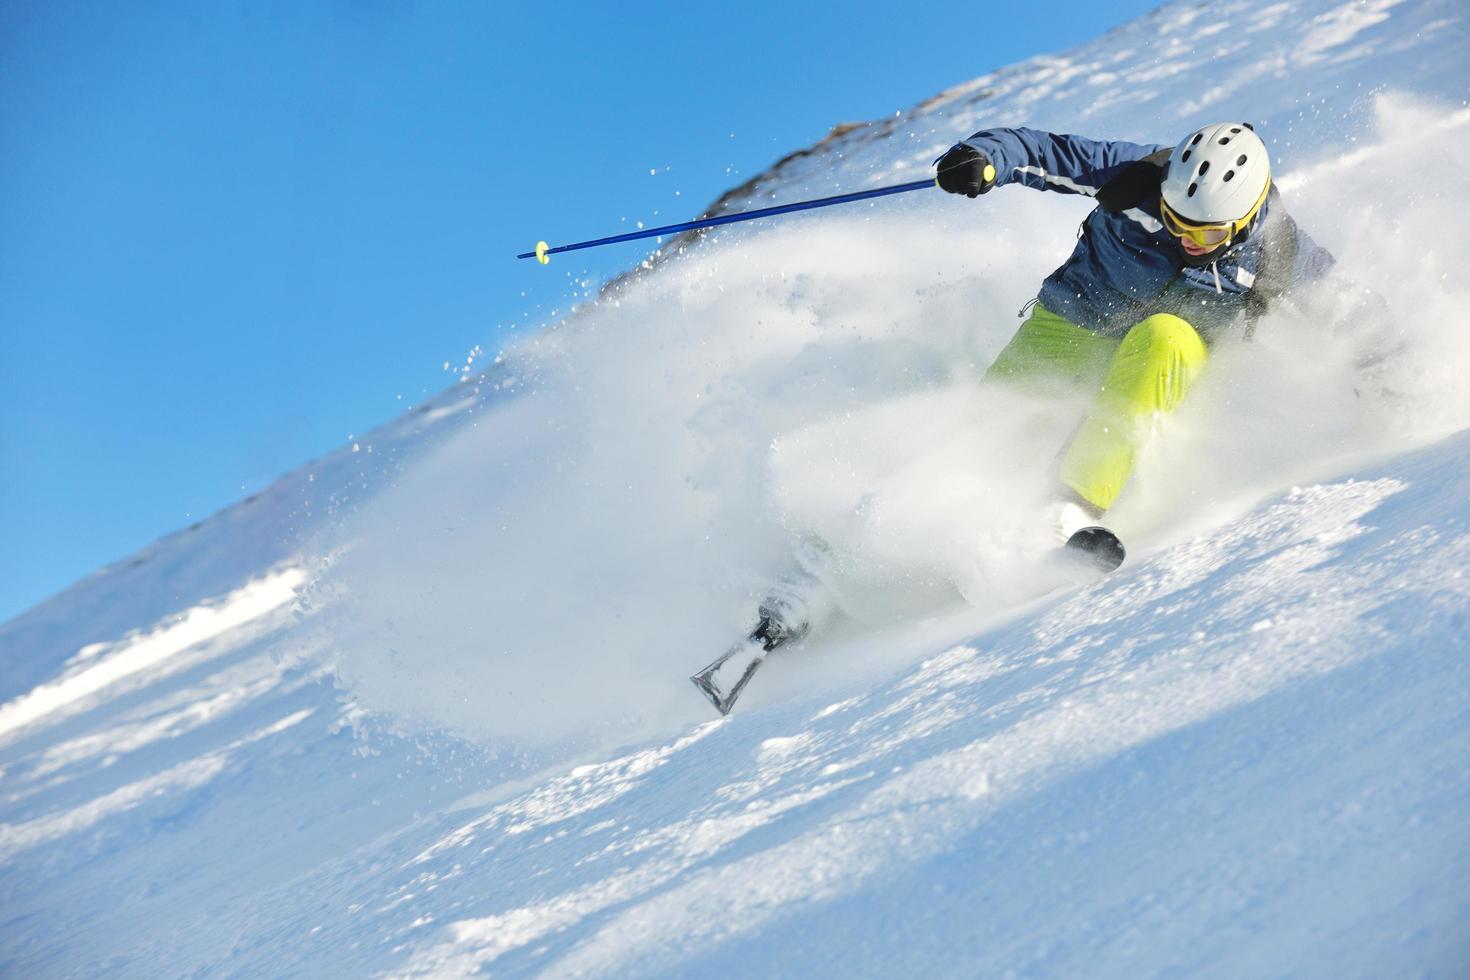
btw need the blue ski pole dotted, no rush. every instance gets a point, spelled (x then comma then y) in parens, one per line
(543, 251)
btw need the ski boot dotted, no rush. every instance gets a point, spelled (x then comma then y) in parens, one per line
(1077, 526)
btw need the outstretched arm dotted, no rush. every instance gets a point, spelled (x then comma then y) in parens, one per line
(1040, 160)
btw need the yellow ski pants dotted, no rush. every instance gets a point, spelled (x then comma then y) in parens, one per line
(1148, 371)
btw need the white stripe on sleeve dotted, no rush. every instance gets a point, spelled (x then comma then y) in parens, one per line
(1060, 181)
(1149, 223)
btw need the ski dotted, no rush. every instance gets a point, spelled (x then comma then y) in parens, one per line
(727, 676)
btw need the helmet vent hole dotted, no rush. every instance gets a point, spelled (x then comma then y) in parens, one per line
(1224, 140)
(1204, 168)
(1185, 157)
(1234, 129)
(1197, 138)
(1228, 175)
(1240, 160)
(1192, 189)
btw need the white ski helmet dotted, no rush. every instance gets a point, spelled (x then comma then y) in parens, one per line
(1217, 176)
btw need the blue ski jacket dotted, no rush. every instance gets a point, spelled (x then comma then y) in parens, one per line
(1126, 266)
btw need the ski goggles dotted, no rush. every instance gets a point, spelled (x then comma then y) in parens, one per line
(1205, 236)
(1210, 235)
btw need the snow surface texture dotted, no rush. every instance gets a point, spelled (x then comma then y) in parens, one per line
(421, 708)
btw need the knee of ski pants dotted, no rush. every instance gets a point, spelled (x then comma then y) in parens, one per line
(1151, 372)
(1155, 364)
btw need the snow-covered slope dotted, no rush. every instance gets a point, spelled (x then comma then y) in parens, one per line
(421, 707)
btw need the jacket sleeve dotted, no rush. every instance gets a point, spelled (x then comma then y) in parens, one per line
(1053, 162)
(1289, 258)
(1359, 317)
(1313, 262)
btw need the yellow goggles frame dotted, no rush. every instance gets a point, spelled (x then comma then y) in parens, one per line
(1213, 235)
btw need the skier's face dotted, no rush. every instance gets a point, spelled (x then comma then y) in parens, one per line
(1196, 240)
(1192, 247)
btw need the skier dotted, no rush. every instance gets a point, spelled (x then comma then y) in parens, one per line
(1182, 245)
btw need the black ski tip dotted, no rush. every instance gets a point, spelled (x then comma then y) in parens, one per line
(1098, 546)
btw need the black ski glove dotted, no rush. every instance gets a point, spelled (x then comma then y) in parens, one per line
(965, 170)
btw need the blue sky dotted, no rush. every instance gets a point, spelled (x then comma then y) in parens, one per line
(235, 233)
